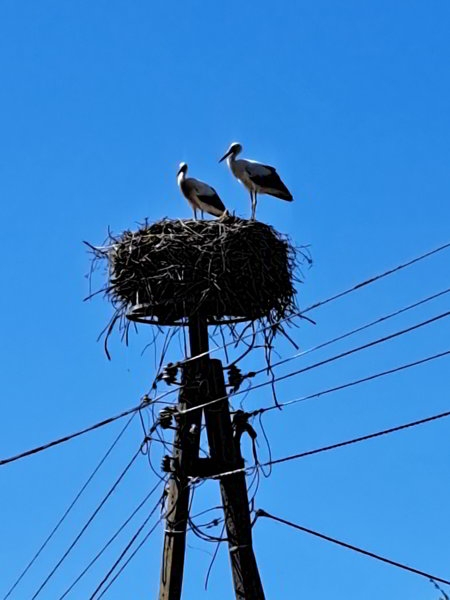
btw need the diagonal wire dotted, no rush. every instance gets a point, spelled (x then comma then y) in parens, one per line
(323, 362)
(66, 438)
(332, 298)
(93, 427)
(371, 344)
(362, 438)
(394, 563)
(86, 525)
(124, 551)
(354, 331)
(130, 558)
(308, 309)
(201, 406)
(69, 508)
(356, 382)
(110, 541)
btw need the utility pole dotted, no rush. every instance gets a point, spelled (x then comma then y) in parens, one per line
(185, 453)
(203, 382)
(224, 446)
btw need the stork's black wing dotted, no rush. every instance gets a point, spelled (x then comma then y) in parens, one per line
(268, 178)
(211, 199)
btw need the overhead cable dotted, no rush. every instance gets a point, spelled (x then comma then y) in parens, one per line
(111, 539)
(87, 524)
(321, 303)
(323, 362)
(320, 450)
(68, 510)
(394, 563)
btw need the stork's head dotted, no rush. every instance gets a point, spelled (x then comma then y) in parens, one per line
(182, 169)
(233, 151)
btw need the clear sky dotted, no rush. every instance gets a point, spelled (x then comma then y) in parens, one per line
(99, 102)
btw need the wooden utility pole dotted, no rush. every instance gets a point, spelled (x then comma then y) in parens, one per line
(203, 382)
(185, 454)
(225, 452)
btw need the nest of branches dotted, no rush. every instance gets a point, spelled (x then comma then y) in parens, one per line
(225, 271)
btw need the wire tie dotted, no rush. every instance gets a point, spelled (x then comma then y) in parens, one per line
(241, 547)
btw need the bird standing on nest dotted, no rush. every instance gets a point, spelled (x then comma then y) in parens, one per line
(257, 178)
(200, 195)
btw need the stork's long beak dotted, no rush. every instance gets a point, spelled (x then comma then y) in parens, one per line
(227, 153)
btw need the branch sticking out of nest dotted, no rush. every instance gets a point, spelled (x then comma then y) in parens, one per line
(222, 270)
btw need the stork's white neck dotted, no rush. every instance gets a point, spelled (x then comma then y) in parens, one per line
(231, 158)
(180, 177)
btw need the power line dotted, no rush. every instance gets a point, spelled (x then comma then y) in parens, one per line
(345, 292)
(68, 510)
(377, 277)
(355, 382)
(362, 438)
(124, 551)
(111, 539)
(299, 313)
(349, 442)
(354, 331)
(381, 340)
(258, 386)
(86, 525)
(69, 437)
(130, 558)
(325, 361)
(263, 513)
(144, 404)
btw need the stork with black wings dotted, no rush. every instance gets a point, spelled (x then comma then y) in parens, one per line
(200, 195)
(256, 177)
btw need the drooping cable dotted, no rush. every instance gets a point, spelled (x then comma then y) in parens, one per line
(130, 558)
(332, 298)
(111, 540)
(350, 442)
(68, 510)
(326, 361)
(354, 331)
(86, 525)
(355, 382)
(93, 427)
(308, 309)
(124, 552)
(394, 563)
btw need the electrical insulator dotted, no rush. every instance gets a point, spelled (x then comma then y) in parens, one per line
(145, 400)
(165, 418)
(241, 424)
(169, 374)
(166, 464)
(240, 418)
(235, 378)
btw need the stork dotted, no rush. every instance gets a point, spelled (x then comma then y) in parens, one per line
(256, 177)
(200, 195)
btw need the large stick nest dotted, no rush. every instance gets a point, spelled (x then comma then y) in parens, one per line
(218, 269)
(222, 270)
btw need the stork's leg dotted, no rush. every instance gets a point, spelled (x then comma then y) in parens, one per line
(202, 214)
(252, 197)
(195, 213)
(256, 201)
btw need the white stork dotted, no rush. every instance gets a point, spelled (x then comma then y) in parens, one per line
(200, 195)
(257, 178)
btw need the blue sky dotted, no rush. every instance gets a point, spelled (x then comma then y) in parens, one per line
(99, 103)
